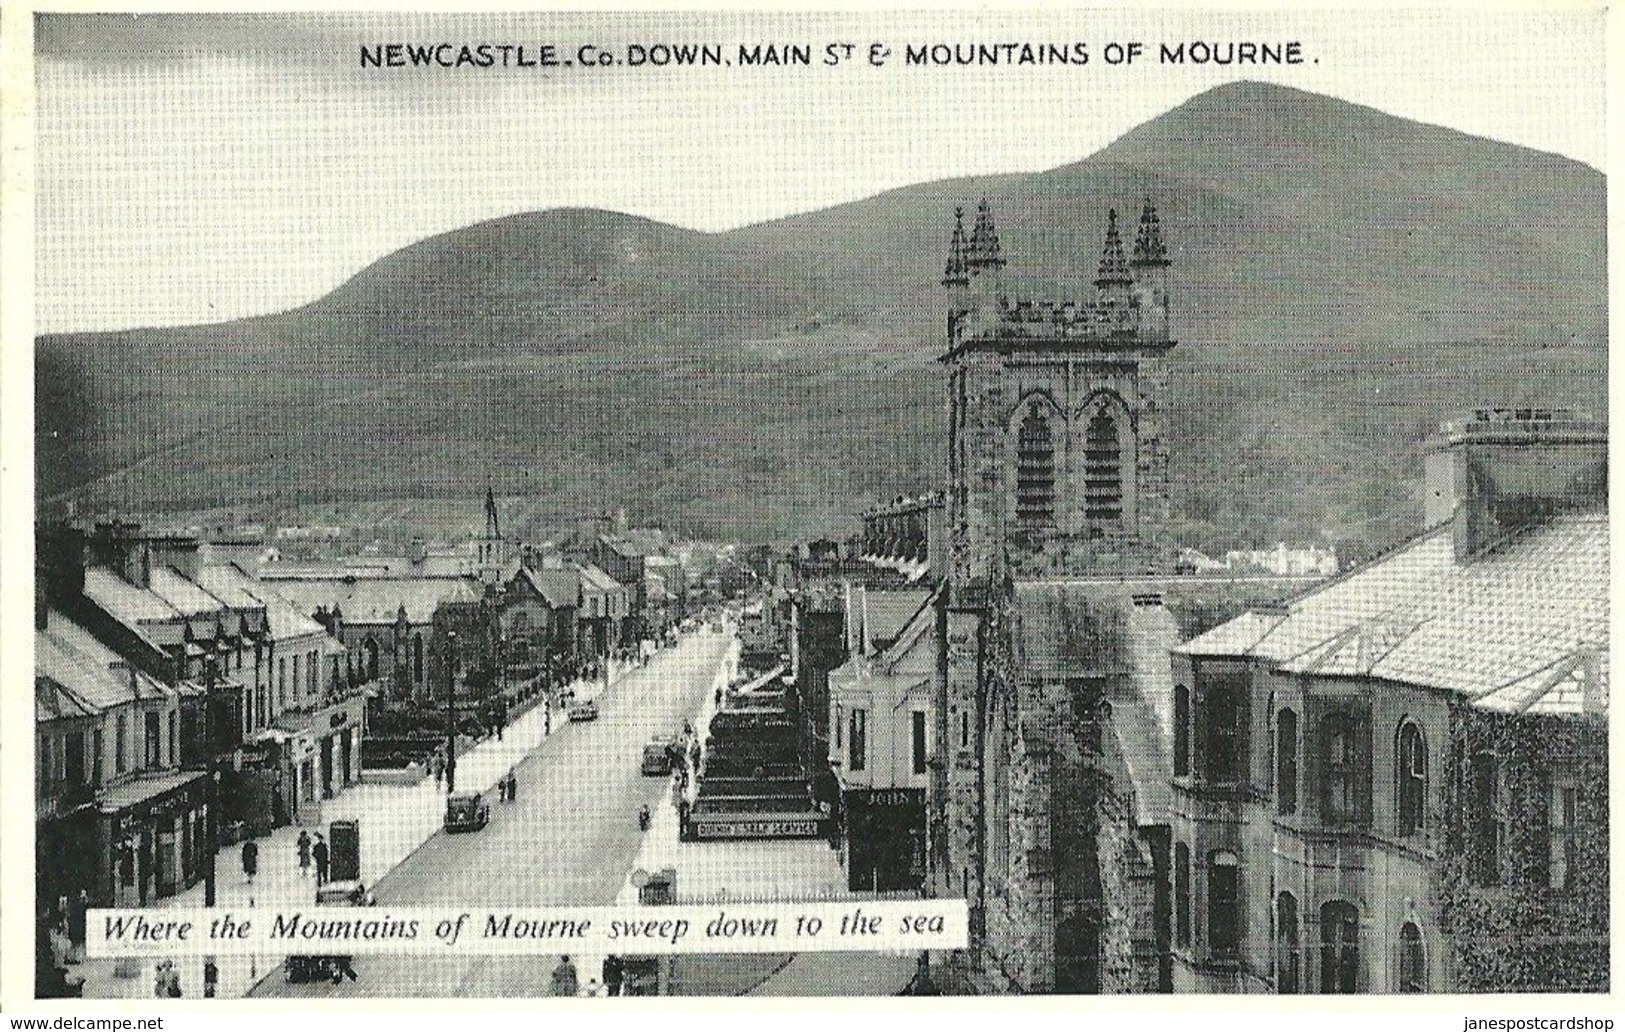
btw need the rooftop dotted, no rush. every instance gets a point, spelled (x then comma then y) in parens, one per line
(1522, 627)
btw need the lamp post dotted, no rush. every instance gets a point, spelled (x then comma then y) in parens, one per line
(451, 712)
(211, 679)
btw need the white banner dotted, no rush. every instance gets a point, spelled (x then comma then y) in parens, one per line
(881, 925)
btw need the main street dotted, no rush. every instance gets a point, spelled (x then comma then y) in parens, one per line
(569, 838)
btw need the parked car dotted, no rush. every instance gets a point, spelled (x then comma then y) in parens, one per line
(467, 811)
(321, 967)
(583, 709)
(657, 754)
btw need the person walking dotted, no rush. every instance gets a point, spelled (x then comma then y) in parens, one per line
(304, 853)
(320, 852)
(251, 860)
(211, 977)
(564, 978)
(513, 786)
(502, 789)
(78, 914)
(613, 974)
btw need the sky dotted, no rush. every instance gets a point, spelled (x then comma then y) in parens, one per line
(194, 168)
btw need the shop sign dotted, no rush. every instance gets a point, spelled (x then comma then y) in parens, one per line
(757, 829)
(890, 797)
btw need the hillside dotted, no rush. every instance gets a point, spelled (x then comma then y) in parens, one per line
(1343, 279)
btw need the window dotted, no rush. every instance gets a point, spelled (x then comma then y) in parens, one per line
(1102, 470)
(918, 718)
(1286, 944)
(417, 658)
(1411, 756)
(1223, 903)
(1344, 757)
(47, 772)
(857, 739)
(1489, 823)
(1035, 470)
(120, 756)
(1563, 863)
(1413, 970)
(153, 738)
(282, 684)
(1182, 730)
(840, 719)
(174, 739)
(1339, 948)
(296, 676)
(73, 768)
(1223, 728)
(310, 672)
(964, 729)
(1286, 762)
(1182, 894)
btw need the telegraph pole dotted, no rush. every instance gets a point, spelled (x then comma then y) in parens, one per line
(451, 712)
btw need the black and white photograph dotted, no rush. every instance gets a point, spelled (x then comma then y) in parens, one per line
(728, 503)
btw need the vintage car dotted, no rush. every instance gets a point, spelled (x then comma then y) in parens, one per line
(307, 968)
(657, 754)
(467, 811)
(583, 709)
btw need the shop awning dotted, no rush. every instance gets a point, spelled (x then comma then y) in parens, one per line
(145, 789)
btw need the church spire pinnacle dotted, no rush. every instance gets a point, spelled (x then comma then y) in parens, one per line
(954, 275)
(492, 533)
(1148, 246)
(1113, 266)
(983, 252)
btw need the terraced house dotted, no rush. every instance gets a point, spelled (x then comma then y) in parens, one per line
(1397, 782)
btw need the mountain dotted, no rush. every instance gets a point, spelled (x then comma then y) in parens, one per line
(1342, 281)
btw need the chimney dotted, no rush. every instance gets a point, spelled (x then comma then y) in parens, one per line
(1505, 469)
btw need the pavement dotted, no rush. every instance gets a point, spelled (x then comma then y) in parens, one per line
(395, 820)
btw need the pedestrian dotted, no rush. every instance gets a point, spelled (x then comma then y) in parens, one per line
(160, 979)
(613, 973)
(320, 852)
(251, 859)
(78, 913)
(211, 977)
(513, 786)
(502, 789)
(564, 978)
(304, 853)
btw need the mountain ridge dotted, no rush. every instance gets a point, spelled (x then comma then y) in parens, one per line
(566, 327)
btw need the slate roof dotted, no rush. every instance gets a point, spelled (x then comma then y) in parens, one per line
(559, 588)
(73, 662)
(1080, 629)
(187, 597)
(594, 579)
(376, 600)
(1520, 627)
(888, 613)
(126, 602)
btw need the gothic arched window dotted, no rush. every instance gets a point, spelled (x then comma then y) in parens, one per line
(1035, 470)
(1412, 761)
(417, 658)
(1103, 470)
(1286, 762)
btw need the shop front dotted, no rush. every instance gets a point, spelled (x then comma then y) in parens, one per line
(322, 750)
(885, 838)
(151, 837)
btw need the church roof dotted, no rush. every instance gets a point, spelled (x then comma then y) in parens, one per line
(1521, 627)
(953, 275)
(377, 600)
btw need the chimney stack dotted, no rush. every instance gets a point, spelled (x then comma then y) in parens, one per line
(1505, 469)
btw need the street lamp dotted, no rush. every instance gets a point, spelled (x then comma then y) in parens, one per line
(211, 679)
(451, 712)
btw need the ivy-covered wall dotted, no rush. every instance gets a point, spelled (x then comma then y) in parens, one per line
(1521, 934)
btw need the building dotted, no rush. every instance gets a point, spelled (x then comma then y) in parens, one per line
(881, 726)
(1396, 782)
(117, 816)
(1048, 807)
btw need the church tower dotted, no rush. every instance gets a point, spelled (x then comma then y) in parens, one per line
(1055, 447)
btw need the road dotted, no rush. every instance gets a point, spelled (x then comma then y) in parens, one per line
(570, 838)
